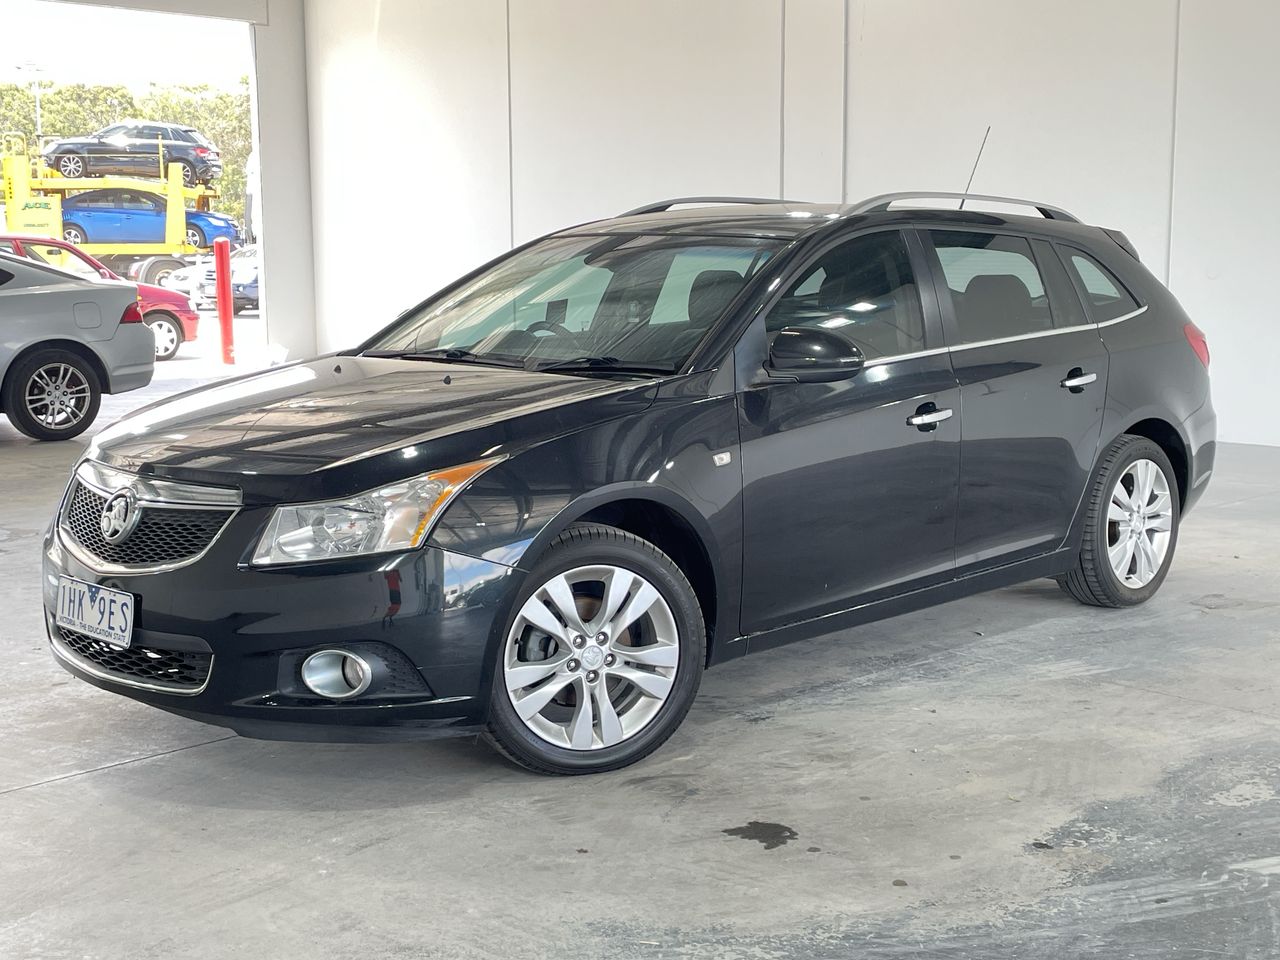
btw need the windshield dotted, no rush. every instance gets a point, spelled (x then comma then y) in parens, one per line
(62, 259)
(613, 301)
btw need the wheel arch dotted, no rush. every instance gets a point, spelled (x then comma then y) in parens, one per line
(72, 346)
(1166, 436)
(666, 520)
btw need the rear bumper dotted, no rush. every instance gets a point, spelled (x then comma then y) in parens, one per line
(129, 357)
(1201, 432)
(252, 628)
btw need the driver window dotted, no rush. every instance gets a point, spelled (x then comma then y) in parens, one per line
(863, 288)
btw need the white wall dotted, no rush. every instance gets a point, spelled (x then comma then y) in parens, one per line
(1081, 117)
(410, 156)
(1153, 116)
(602, 116)
(288, 288)
(1226, 206)
(523, 118)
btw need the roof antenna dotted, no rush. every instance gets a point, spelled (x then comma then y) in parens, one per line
(976, 161)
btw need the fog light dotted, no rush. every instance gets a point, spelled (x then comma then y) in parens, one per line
(336, 674)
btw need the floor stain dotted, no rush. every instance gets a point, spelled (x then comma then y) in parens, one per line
(772, 835)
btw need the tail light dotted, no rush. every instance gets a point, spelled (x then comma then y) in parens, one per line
(202, 151)
(131, 314)
(1196, 337)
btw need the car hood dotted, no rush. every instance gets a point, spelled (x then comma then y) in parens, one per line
(70, 142)
(341, 424)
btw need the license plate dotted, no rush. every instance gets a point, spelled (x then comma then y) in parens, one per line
(95, 611)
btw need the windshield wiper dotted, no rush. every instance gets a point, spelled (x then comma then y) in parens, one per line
(446, 355)
(602, 364)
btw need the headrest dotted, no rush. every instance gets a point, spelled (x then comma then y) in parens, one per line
(710, 294)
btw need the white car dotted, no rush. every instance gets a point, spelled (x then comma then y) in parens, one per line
(65, 341)
(196, 281)
(187, 280)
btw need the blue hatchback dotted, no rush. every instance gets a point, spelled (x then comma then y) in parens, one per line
(134, 216)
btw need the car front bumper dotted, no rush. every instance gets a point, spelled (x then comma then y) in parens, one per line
(243, 633)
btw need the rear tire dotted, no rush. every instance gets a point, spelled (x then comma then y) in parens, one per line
(71, 165)
(159, 268)
(74, 233)
(1131, 527)
(188, 174)
(168, 333)
(605, 685)
(52, 395)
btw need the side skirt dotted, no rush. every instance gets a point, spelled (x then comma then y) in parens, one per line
(1048, 565)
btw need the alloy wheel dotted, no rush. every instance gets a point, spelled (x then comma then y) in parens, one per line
(194, 239)
(591, 657)
(58, 396)
(1139, 523)
(71, 166)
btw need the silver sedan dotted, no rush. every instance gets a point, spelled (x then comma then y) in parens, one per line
(64, 342)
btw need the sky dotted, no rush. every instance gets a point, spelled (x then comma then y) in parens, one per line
(74, 43)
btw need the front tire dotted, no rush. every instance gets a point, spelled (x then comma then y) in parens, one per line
(1131, 528)
(52, 395)
(195, 236)
(601, 656)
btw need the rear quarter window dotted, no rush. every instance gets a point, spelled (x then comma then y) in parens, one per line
(1107, 297)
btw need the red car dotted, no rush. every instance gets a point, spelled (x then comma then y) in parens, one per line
(168, 313)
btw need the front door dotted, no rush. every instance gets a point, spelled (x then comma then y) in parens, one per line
(1033, 377)
(844, 501)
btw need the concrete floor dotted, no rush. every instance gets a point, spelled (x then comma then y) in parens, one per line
(1008, 776)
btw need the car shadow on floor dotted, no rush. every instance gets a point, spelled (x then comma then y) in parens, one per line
(825, 673)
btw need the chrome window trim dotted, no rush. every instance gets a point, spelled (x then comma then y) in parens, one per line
(67, 655)
(878, 361)
(1127, 316)
(154, 494)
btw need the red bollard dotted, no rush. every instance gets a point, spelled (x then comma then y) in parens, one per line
(222, 283)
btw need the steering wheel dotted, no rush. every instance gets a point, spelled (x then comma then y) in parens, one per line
(551, 326)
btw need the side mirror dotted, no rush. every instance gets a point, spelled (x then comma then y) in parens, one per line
(813, 355)
(106, 274)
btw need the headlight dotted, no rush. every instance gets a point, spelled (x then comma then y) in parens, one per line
(395, 517)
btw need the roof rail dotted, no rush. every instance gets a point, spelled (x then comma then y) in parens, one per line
(668, 204)
(884, 200)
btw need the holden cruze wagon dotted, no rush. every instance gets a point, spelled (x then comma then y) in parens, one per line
(542, 502)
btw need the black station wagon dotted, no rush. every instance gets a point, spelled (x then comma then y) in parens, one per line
(541, 503)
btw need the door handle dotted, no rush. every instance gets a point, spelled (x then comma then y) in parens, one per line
(1077, 380)
(928, 416)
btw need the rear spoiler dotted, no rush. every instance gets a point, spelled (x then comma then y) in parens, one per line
(1125, 243)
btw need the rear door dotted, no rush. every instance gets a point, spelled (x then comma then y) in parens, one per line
(1032, 371)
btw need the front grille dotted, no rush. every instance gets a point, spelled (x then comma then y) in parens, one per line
(164, 535)
(176, 670)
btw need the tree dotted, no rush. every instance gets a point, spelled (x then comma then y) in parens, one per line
(77, 110)
(223, 117)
